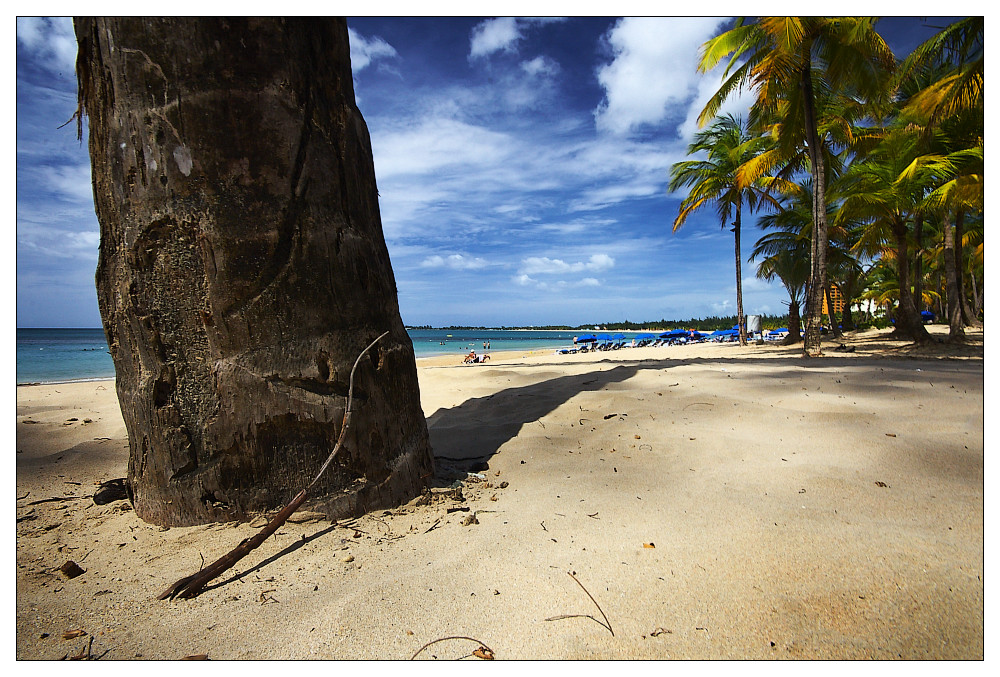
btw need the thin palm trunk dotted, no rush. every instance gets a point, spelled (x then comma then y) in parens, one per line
(817, 276)
(834, 323)
(968, 316)
(918, 260)
(847, 316)
(942, 293)
(739, 280)
(956, 328)
(977, 300)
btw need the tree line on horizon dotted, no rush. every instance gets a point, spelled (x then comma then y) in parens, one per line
(710, 323)
(866, 172)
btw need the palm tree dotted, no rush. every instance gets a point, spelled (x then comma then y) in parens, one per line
(960, 89)
(876, 191)
(882, 286)
(948, 108)
(242, 269)
(958, 189)
(714, 180)
(786, 60)
(788, 239)
(784, 253)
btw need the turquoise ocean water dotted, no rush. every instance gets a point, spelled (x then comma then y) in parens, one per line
(58, 355)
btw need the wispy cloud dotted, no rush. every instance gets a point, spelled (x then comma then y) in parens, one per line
(51, 40)
(72, 182)
(432, 144)
(364, 50)
(454, 262)
(540, 65)
(502, 34)
(543, 265)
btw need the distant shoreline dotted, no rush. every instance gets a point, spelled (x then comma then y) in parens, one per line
(64, 381)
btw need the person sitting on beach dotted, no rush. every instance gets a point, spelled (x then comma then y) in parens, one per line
(471, 357)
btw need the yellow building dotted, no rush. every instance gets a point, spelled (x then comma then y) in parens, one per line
(836, 299)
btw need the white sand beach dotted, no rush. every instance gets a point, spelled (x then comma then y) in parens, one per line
(715, 501)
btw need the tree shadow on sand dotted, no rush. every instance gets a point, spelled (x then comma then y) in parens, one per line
(466, 436)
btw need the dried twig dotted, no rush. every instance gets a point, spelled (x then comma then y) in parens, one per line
(606, 623)
(57, 499)
(488, 652)
(189, 586)
(84, 654)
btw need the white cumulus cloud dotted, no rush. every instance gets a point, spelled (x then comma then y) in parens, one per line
(501, 34)
(653, 75)
(494, 35)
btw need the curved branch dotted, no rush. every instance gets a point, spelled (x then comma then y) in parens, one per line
(190, 586)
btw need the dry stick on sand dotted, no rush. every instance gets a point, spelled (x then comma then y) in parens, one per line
(483, 651)
(189, 586)
(606, 623)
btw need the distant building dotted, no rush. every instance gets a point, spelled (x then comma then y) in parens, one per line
(836, 299)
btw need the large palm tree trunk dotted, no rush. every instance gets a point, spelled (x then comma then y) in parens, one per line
(242, 268)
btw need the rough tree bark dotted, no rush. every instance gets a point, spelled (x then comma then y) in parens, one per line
(242, 268)
(918, 260)
(969, 316)
(956, 327)
(812, 340)
(908, 322)
(794, 325)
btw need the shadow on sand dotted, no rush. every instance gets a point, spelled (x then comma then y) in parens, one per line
(466, 436)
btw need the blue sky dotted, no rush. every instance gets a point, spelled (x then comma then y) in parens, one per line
(522, 166)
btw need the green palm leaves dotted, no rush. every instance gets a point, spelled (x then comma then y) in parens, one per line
(716, 180)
